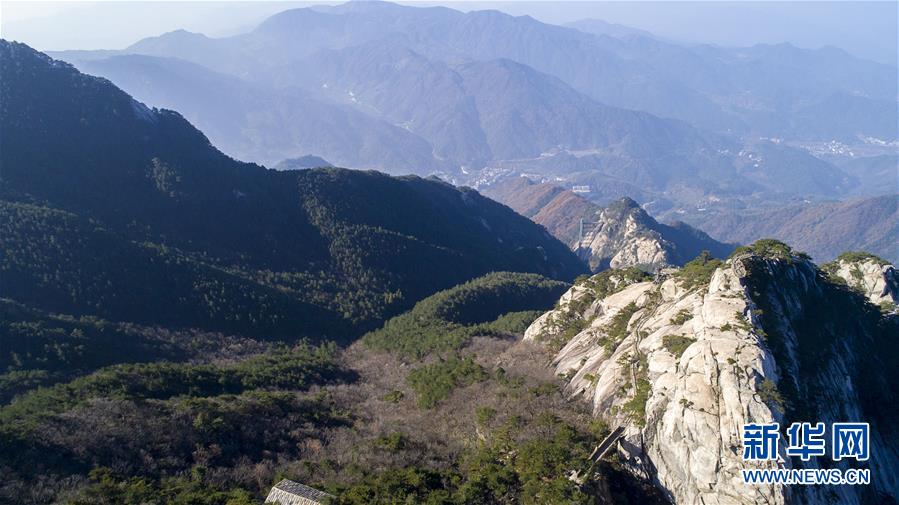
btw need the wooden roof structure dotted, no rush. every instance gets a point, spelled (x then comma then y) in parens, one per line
(288, 492)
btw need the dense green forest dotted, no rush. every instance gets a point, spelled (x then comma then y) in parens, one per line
(496, 304)
(60, 262)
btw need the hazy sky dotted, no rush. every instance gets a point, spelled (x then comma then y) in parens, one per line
(868, 29)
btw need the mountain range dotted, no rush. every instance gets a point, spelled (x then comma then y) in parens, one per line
(822, 230)
(470, 95)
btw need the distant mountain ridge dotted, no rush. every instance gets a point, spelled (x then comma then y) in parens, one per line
(600, 27)
(308, 161)
(410, 90)
(823, 230)
(255, 122)
(99, 191)
(704, 85)
(358, 109)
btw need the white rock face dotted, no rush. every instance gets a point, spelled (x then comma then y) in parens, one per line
(624, 236)
(549, 323)
(624, 245)
(697, 401)
(871, 278)
(683, 370)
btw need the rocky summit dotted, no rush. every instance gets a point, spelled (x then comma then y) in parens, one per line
(623, 234)
(869, 275)
(684, 359)
(620, 235)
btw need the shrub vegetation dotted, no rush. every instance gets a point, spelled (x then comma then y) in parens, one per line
(501, 303)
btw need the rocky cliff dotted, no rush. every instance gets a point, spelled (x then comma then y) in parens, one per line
(684, 360)
(623, 235)
(873, 277)
(620, 238)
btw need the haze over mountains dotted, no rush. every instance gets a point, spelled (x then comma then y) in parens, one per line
(822, 230)
(481, 95)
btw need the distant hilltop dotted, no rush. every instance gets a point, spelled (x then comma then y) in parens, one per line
(307, 161)
(619, 235)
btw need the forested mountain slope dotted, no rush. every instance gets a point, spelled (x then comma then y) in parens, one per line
(127, 213)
